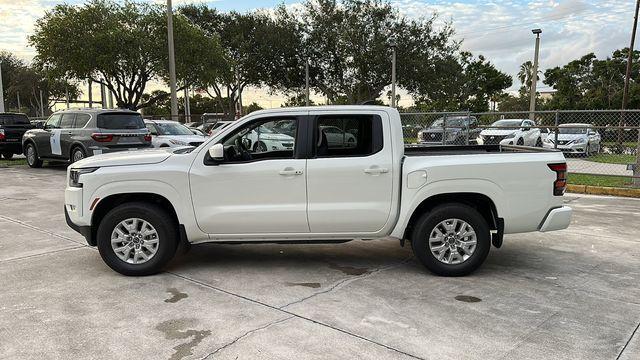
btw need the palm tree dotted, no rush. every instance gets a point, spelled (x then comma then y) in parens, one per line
(526, 73)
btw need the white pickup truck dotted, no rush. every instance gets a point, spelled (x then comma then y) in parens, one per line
(450, 202)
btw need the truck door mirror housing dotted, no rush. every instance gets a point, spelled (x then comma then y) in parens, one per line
(217, 152)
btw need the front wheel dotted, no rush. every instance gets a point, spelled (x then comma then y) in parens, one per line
(451, 240)
(32, 156)
(137, 239)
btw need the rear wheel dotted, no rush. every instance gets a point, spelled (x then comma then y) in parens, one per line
(539, 142)
(7, 155)
(260, 147)
(137, 239)
(520, 142)
(451, 240)
(32, 156)
(77, 154)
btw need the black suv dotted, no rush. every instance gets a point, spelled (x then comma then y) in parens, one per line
(12, 127)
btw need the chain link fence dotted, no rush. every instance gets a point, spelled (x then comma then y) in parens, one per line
(601, 146)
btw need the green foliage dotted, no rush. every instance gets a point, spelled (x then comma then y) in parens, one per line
(120, 45)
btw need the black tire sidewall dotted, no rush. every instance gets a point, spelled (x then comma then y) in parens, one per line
(7, 155)
(73, 151)
(158, 218)
(428, 221)
(36, 162)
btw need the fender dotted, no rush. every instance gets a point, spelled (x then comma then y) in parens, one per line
(413, 198)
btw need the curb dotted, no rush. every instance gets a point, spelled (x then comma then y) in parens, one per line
(602, 190)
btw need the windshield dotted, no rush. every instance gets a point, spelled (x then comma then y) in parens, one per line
(572, 130)
(14, 119)
(507, 123)
(167, 128)
(120, 121)
(456, 121)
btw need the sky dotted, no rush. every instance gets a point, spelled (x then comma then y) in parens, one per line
(499, 29)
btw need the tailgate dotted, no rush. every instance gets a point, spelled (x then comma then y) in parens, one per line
(13, 133)
(123, 138)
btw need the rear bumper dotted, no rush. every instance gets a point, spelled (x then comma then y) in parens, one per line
(556, 219)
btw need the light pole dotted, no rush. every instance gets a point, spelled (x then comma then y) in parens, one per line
(393, 44)
(1, 90)
(306, 80)
(172, 63)
(534, 76)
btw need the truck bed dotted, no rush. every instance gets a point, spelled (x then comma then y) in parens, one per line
(439, 150)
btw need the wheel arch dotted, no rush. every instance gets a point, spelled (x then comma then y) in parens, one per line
(481, 202)
(76, 144)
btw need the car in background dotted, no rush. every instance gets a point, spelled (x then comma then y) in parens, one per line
(73, 134)
(454, 131)
(197, 132)
(263, 139)
(336, 137)
(12, 127)
(578, 138)
(168, 133)
(193, 124)
(511, 132)
(219, 126)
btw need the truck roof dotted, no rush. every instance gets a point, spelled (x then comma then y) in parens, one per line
(325, 108)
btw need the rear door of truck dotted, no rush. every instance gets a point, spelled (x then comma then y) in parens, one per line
(350, 177)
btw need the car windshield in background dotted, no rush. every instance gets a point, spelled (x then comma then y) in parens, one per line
(172, 129)
(13, 119)
(507, 123)
(120, 121)
(572, 130)
(451, 122)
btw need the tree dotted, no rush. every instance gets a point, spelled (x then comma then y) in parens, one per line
(525, 75)
(258, 49)
(122, 46)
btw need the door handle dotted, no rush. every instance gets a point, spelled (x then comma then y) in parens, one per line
(376, 171)
(288, 171)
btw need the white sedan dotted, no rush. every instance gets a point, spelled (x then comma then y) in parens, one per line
(263, 139)
(575, 139)
(512, 132)
(167, 133)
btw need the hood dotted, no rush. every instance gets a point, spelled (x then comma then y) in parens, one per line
(136, 157)
(438, 130)
(497, 132)
(567, 136)
(185, 138)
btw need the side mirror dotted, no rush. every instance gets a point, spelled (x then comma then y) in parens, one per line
(39, 125)
(217, 152)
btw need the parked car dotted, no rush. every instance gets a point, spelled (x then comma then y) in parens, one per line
(193, 124)
(338, 137)
(12, 127)
(451, 203)
(512, 132)
(263, 139)
(167, 133)
(72, 135)
(454, 131)
(218, 126)
(198, 132)
(576, 138)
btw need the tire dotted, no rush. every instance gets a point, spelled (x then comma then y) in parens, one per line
(166, 239)
(423, 239)
(587, 150)
(7, 155)
(77, 154)
(32, 156)
(260, 147)
(520, 142)
(539, 142)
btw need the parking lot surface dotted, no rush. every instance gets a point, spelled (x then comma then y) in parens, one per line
(562, 295)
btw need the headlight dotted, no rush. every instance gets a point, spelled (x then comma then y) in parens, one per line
(177, 142)
(74, 175)
(510, 136)
(451, 136)
(579, 141)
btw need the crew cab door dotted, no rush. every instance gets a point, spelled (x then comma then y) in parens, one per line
(260, 187)
(349, 177)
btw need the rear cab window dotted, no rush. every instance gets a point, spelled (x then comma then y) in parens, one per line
(120, 121)
(348, 135)
(14, 119)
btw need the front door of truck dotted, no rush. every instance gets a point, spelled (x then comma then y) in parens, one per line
(350, 175)
(260, 187)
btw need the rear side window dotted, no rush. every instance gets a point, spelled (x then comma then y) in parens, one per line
(348, 135)
(67, 121)
(13, 119)
(82, 120)
(113, 121)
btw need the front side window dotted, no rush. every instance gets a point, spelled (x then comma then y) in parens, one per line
(348, 135)
(53, 122)
(261, 140)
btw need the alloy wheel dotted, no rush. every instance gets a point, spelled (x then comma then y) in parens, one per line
(134, 241)
(452, 241)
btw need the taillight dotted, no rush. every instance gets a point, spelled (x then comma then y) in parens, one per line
(2, 136)
(102, 137)
(560, 184)
(147, 137)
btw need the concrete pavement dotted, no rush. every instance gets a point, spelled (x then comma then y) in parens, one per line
(563, 295)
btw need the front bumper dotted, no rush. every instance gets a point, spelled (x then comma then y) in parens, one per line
(569, 148)
(557, 219)
(82, 230)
